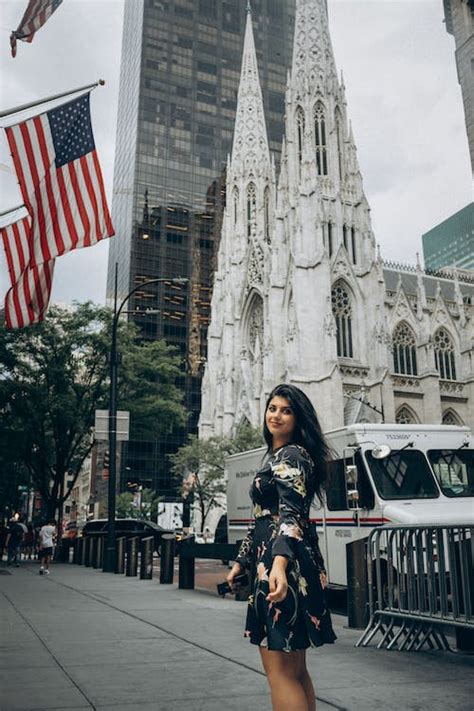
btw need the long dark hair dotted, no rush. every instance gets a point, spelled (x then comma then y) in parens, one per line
(307, 434)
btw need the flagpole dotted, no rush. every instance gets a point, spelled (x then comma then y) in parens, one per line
(17, 109)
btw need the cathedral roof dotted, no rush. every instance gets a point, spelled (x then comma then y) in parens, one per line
(250, 134)
(313, 57)
(430, 283)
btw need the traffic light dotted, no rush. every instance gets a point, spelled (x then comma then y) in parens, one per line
(106, 460)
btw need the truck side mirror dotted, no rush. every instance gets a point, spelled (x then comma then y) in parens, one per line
(352, 492)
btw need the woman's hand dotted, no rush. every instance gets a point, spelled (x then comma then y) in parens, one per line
(277, 580)
(234, 571)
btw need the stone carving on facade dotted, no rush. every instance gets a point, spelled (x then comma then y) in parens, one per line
(451, 387)
(256, 266)
(292, 325)
(410, 383)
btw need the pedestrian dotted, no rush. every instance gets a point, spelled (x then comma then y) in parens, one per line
(47, 539)
(287, 610)
(29, 542)
(13, 542)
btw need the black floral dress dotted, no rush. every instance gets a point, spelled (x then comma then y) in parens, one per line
(281, 527)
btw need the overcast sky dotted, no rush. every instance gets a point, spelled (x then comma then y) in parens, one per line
(403, 98)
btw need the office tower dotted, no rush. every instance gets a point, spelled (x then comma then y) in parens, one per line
(181, 62)
(451, 243)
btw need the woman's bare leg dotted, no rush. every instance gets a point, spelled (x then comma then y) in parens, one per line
(306, 682)
(288, 680)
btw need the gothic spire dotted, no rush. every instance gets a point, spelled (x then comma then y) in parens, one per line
(250, 147)
(313, 59)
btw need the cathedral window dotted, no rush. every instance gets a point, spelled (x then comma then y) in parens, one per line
(236, 204)
(405, 416)
(344, 238)
(300, 131)
(451, 418)
(266, 214)
(342, 311)
(444, 355)
(338, 121)
(330, 245)
(404, 350)
(251, 208)
(353, 245)
(320, 139)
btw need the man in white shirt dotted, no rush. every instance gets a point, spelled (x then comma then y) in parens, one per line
(47, 538)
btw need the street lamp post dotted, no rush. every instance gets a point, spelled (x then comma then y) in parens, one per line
(109, 558)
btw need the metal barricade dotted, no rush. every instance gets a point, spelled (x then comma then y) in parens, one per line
(146, 558)
(421, 580)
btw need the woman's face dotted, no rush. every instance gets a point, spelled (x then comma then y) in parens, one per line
(280, 420)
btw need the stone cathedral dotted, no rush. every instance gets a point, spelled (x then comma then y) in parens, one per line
(301, 293)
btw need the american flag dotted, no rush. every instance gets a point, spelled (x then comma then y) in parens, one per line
(36, 14)
(61, 184)
(27, 300)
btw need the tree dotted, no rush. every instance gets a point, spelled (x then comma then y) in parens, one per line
(200, 463)
(125, 506)
(54, 375)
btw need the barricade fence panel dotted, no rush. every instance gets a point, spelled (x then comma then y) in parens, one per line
(421, 578)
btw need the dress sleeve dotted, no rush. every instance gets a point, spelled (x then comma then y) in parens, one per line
(290, 472)
(244, 556)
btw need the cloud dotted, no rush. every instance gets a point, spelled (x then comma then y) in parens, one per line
(403, 98)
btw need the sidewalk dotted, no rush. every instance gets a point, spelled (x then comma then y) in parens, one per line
(82, 639)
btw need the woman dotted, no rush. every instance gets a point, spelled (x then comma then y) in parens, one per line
(287, 610)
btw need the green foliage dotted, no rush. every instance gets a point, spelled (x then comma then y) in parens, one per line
(54, 375)
(125, 506)
(200, 463)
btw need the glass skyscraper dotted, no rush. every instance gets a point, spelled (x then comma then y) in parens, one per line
(178, 90)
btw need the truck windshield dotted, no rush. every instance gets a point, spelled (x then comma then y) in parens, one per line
(454, 469)
(404, 474)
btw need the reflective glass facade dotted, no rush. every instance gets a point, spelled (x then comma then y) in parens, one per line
(179, 80)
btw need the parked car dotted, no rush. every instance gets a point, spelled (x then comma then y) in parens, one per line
(128, 527)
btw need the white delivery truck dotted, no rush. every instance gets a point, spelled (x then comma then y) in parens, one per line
(381, 474)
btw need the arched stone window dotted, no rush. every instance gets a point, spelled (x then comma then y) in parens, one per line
(235, 201)
(320, 139)
(404, 350)
(450, 417)
(344, 237)
(251, 208)
(405, 416)
(266, 214)
(342, 311)
(340, 142)
(330, 243)
(300, 123)
(444, 355)
(353, 245)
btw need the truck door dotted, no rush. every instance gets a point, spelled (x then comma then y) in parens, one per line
(344, 525)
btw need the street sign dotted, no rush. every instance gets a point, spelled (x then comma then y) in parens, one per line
(102, 425)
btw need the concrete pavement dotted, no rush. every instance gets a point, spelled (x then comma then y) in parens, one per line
(81, 639)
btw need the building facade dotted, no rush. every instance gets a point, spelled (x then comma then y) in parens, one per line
(177, 102)
(459, 20)
(451, 243)
(301, 293)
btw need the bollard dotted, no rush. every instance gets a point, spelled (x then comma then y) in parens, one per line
(94, 550)
(87, 551)
(357, 584)
(167, 558)
(131, 567)
(146, 558)
(120, 555)
(78, 546)
(99, 560)
(186, 566)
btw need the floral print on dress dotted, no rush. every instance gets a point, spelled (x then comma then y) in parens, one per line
(281, 527)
